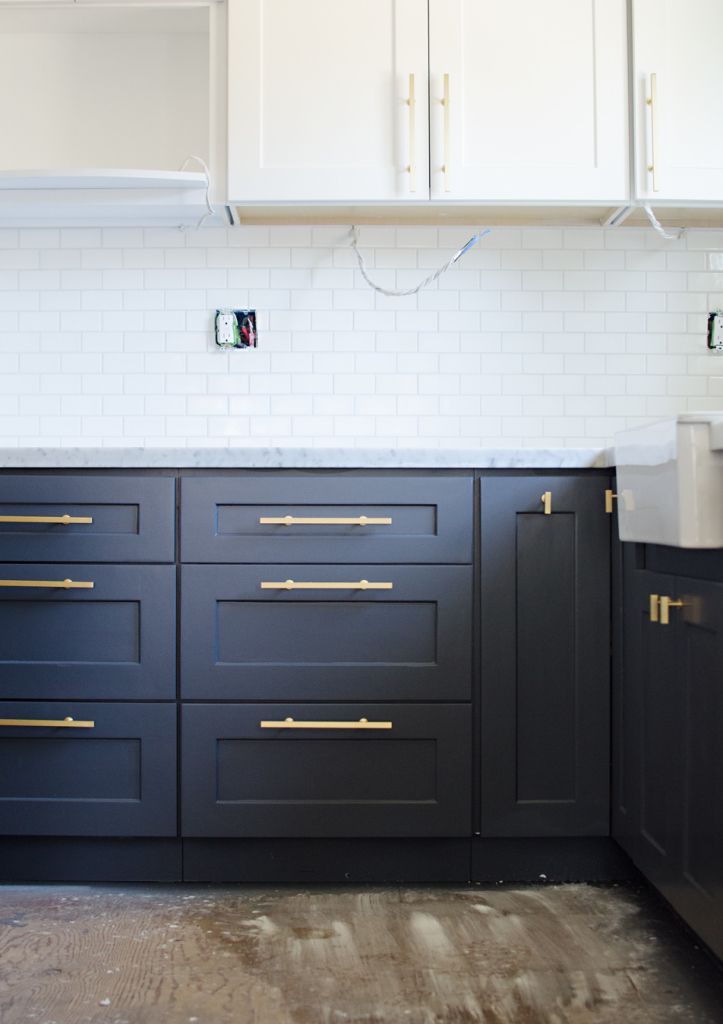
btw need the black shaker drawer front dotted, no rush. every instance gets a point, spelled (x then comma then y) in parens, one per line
(87, 632)
(248, 770)
(91, 518)
(244, 636)
(109, 772)
(318, 517)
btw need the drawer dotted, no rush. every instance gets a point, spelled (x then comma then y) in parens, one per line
(242, 642)
(115, 640)
(411, 518)
(121, 519)
(242, 779)
(116, 778)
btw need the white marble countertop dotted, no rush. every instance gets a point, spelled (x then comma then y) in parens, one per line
(305, 458)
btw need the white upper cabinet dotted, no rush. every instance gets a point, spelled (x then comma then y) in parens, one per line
(318, 105)
(528, 100)
(678, 64)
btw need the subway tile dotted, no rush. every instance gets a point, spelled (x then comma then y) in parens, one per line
(528, 259)
(603, 259)
(537, 333)
(333, 405)
(523, 384)
(564, 302)
(605, 302)
(646, 302)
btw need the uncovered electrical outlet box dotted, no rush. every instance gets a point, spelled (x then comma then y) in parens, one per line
(236, 328)
(715, 330)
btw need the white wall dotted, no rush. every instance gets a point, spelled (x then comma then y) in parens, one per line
(538, 337)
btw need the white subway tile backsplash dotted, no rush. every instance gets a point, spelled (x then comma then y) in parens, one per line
(538, 336)
(249, 405)
(438, 384)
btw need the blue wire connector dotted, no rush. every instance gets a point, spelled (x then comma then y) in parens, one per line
(472, 242)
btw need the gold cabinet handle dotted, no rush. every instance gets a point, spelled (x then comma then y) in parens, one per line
(652, 102)
(51, 723)
(65, 520)
(446, 165)
(654, 608)
(325, 520)
(333, 585)
(546, 500)
(610, 497)
(666, 603)
(291, 723)
(412, 166)
(53, 584)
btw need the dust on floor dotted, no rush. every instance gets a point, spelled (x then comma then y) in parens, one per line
(571, 954)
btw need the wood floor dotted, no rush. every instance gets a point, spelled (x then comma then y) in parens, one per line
(572, 954)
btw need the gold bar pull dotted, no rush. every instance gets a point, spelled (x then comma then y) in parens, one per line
(412, 166)
(52, 584)
(652, 102)
(546, 500)
(654, 608)
(446, 165)
(49, 723)
(293, 585)
(65, 520)
(610, 497)
(666, 603)
(291, 723)
(325, 520)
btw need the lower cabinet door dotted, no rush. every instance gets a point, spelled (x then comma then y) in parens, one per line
(70, 769)
(108, 635)
(301, 771)
(545, 656)
(326, 632)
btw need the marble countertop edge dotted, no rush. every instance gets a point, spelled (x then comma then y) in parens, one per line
(305, 458)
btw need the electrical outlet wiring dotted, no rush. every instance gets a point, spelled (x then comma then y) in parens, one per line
(430, 279)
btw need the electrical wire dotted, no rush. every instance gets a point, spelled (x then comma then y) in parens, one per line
(655, 223)
(430, 279)
(209, 205)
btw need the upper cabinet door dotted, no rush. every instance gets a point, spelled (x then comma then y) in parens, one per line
(678, 75)
(528, 100)
(319, 100)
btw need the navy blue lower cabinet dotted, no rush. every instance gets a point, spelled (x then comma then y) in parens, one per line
(111, 771)
(340, 516)
(92, 517)
(249, 770)
(649, 709)
(545, 646)
(114, 640)
(668, 780)
(244, 636)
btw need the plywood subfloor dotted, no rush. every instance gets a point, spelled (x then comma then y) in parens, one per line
(572, 954)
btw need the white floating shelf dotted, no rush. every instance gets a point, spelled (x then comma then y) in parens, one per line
(106, 198)
(104, 178)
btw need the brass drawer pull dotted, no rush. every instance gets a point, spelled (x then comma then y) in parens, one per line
(65, 520)
(291, 723)
(325, 521)
(53, 723)
(666, 603)
(655, 608)
(610, 497)
(652, 102)
(411, 167)
(546, 500)
(53, 584)
(447, 165)
(293, 585)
